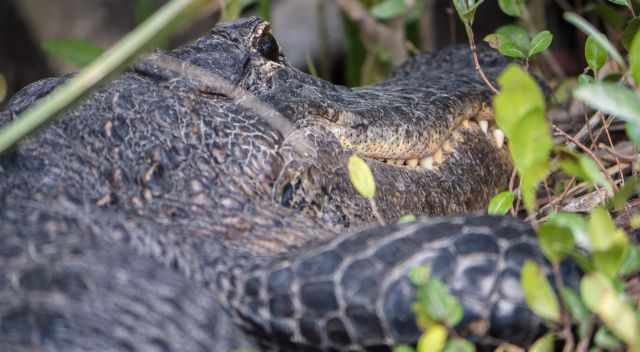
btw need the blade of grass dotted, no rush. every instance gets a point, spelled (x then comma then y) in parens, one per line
(171, 16)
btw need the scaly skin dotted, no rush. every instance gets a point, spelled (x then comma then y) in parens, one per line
(171, 162)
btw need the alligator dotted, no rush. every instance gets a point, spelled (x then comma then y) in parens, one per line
(201, 201)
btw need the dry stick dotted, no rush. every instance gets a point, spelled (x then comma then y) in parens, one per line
(566, 321)
(476, 62)
(591, 154)
(606, 129)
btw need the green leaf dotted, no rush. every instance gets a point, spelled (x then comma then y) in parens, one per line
(3, 88)
(575, 305)
(501, 203)
(634, 59)
(419, 275)
(544, 344)
(407, 218)
(629, 189)
(556, 241)
(459, 345)
(466, 10)
(630, 31)
(516, 35)
(439, 304)
(519, 111)
(621, 2)
(604, 339)
(582, 167)
(434, 339)
(585, 79)
(511, 7)
(231, 10)
(612, 99)
(633, 132)
(540, 42)
(595, 54)
(601, 228)
(510, 49)
(361, 177)
(609, 244)
(601, 297)
(389, 9)
(631, 262)
(574, 223)
(538, 292)
(72, 51)
(600, 38)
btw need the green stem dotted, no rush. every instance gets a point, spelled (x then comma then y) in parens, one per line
(172, 15)
(264, 9)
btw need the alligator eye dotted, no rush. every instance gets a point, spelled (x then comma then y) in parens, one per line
(268, 47)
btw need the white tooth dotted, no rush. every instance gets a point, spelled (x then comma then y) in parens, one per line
(466, 124)
(499, 137)
(427, 163)
(412, 162)
(484, 125)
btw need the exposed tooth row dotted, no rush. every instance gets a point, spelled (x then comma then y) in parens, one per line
(438, 157)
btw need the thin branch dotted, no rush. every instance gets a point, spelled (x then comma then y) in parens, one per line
(476, 62)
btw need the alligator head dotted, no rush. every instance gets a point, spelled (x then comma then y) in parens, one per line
(426, 133)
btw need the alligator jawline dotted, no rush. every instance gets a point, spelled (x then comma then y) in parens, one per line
(432, 159)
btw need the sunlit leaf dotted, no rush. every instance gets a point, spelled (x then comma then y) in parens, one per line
(407, 218)
(501, 203)
(611, 98)
(361, 177)
(73, 51)
(555, 241)
(459, 345)
(585, 79)
(574, 223)
(544, 344)
(439, 304)
(600, 38)
(601, 297)
(420, 275)
(433, 340)
(538, 292)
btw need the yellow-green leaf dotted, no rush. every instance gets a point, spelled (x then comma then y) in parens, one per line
(538, 292)
(361, 177)
(544, 344)
(556, 241)
(407, 218)
(634, 58)
(500, 203)
(73, 51)
(595, 54)
(602, 298)
(433, 340)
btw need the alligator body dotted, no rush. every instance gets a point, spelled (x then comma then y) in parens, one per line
(227, 165)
